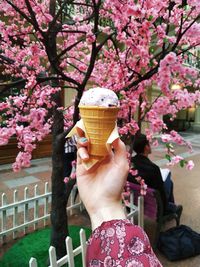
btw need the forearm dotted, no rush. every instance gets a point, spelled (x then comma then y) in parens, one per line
(114, 211)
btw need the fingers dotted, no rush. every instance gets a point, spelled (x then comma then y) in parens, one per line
(120, 157)
(82, 145)
(119, 148)
(120, 152)
(82, 153)
(80, 132)
(82, 140)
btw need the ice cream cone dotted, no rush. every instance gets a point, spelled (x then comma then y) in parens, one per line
(99, 123)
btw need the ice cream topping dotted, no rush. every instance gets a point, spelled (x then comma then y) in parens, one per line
(100, 97)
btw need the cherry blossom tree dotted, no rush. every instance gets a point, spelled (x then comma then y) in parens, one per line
(128, 46)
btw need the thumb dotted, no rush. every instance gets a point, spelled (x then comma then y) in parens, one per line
(120, 153)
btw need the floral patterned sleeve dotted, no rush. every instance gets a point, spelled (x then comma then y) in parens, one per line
(120, 243)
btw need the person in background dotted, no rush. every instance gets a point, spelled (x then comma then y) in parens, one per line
(69, 155)
(115, 241)
(151, 174)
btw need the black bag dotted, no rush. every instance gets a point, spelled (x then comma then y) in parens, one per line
(179, 242)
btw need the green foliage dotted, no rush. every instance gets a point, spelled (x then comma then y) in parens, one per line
(182, 163)
(168, 157)
(150, 17)
(169, 146)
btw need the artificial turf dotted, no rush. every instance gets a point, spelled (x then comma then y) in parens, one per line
(36, 245)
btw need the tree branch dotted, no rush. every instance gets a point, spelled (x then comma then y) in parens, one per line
(148, 75)
(9, 85)
(64, 77)
(67, 49)
(73, 31)
(25, 17)
(72, 65)
(180, 35)
(6, 60)
(53, 22)
(32, 14)
(185, 50)
(19, 11)
(149, 108)
(104, 41)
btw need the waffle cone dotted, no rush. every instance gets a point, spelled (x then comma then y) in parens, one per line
(99, 123)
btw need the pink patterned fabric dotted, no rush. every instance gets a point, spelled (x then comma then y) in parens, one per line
(120, 243)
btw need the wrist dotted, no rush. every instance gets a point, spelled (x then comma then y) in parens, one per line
(112, 212)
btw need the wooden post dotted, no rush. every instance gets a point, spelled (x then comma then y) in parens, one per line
(70, 253)
(33, 262)
(4, 217)
(141, 211)
(25, 209)
(15, 213)
(52, 257)
(83, 247)
(46, 202)
(36, 206)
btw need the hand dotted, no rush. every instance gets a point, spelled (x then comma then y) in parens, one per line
(101, 187)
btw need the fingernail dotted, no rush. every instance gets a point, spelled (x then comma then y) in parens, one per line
(84, 156)
(83, 140)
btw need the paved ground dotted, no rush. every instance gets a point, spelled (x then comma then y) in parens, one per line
(187, 190)
(38, 173)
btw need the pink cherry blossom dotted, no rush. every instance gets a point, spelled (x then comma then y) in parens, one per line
(73, 175)
(133, 172)
(175, 160)
(66, 180)
(170, 58)
(166, 138)
(125, 49)
(190, 165)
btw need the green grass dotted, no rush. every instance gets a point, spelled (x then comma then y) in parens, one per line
(36, 245)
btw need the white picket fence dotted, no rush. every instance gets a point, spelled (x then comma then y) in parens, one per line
(11, 221)
(19, 208)
(72, 253)
(136, 210)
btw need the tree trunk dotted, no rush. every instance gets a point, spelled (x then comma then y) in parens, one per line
(59, 223)
(60, 191)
